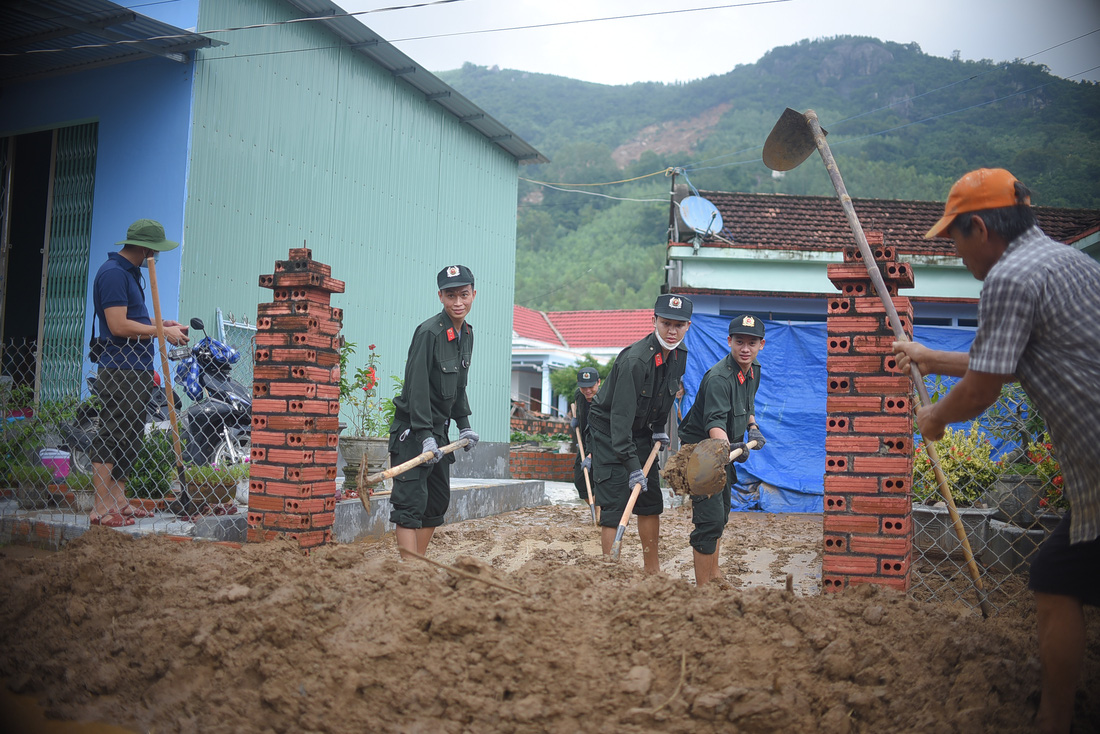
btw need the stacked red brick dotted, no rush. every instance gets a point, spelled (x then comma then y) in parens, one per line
(550, 467)
(295, 406)
(868, 444)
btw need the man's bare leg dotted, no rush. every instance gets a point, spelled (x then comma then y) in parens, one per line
(104, 485)
(423, 537)
(715, 574)
(703, 562)
(1062, 655)
(649, 532)
(406, 540)
(607, 539)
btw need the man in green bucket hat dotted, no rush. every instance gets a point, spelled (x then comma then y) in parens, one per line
(124, 353)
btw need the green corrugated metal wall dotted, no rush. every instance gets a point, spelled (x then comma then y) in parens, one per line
(385, 187)
(67, 269)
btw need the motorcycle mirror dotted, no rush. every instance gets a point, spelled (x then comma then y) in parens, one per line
(197, 325)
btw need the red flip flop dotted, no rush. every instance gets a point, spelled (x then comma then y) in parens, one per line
(138, 512)
(111, 520)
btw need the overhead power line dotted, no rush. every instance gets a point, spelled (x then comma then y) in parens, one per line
(310, 19)
(399, 40)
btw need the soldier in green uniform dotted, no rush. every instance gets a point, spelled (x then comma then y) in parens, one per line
(724, 408)
(433, 395)
(588, 384)
(628, 417)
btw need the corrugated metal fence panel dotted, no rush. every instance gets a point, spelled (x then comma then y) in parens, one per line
(324, 146)
(67, 274)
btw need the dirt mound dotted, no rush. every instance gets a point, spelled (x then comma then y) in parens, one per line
(196, 637)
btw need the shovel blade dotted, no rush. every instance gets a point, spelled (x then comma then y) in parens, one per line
(706, 469)
(790, 142)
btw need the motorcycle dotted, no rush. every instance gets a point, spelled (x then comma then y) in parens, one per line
(217, 427)
(77, 436)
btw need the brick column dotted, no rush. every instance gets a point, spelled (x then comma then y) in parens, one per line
(295, 406)
(869, 439)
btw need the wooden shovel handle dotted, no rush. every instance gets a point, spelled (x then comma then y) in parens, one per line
(637, 490)
(899, 334)
(393, 471)
(737, 452)
(587, 480)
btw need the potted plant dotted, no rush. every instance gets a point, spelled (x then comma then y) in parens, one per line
(154, 469)
(367, 424)
(966, 461)
(1028, 468)
(214, 484)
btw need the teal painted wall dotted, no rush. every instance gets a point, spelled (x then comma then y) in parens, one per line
(323, 147)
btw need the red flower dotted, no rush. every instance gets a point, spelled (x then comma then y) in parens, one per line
(370, 347)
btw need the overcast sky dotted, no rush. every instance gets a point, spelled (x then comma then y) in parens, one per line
(691, 45)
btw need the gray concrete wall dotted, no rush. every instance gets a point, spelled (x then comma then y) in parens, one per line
(469, 499)
(486, 461)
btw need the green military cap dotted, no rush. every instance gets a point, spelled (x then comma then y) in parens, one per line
(148, 233)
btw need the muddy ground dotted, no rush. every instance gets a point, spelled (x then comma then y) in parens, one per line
(156, 635)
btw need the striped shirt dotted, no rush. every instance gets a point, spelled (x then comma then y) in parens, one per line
(1039, 319)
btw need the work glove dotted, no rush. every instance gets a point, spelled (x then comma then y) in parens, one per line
(430, 445)
(661, 438)
(573, 422)
(744, 456)
(469, 435)
(754, 434)
(587, 463)
(636, 477)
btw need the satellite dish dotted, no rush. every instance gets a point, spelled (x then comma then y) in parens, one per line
(699, 214)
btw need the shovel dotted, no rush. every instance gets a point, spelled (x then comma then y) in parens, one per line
(184, 506)
(619, 531)
(706, 468)
(393, 471)
(792, 140)
(587, 480)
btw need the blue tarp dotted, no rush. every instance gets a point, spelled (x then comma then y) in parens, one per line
(790, 406)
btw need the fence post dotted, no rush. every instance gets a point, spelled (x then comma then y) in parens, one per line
(869, 439)
(295, 407)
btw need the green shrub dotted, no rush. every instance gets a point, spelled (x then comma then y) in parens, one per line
(154, 469)
(966, 460)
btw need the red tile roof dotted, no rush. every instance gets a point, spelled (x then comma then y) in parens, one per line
(583, 329)
(532, 324)
(587, 329)
(784, 222)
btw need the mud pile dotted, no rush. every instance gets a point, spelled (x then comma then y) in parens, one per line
(194, 637)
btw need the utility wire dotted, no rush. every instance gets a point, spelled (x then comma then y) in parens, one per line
(310, 19)
(999, 67)
(591, 20)
(398, 40)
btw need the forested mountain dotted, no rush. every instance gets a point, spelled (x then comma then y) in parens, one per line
(902, 124)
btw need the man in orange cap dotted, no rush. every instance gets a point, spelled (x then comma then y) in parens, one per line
(1038, 323)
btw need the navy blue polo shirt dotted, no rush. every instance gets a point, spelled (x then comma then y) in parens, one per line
(119, 283)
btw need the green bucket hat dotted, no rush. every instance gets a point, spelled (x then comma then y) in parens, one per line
(148, 233)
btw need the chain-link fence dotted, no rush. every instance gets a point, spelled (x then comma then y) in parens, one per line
(109, 455)
(1007, 486)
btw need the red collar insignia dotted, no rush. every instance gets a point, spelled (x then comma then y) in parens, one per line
(741, 377)
(657, 360)
(451, 334)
